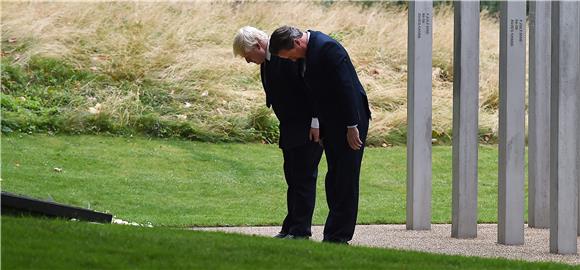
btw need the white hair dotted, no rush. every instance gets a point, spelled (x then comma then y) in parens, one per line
(246, 38)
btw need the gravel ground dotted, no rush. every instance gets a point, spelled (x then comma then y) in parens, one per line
(437, 240)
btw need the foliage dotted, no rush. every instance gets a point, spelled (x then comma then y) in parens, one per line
(266, 126)
(49, 95)
(167, 70)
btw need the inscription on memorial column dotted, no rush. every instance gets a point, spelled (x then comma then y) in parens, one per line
(423, 24)
(516, 28)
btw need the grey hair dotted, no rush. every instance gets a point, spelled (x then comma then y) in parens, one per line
(246, 38)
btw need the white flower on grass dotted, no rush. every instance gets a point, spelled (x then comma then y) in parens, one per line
(100, 57)
(204, 94)
(187, 105)
(119, 221)
(96, 109)
(181, 117)
(124, 222)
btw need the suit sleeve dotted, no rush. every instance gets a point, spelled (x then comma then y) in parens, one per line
(266, 88)
(311, 102)
(341, 72)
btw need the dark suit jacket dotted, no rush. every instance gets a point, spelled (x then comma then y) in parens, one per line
(330, 75)
(286, 94)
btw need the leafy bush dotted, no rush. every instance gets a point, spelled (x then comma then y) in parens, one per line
(265, 125)
(48, 95)
(54, 72)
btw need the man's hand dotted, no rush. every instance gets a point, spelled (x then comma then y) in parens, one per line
(353, 139)
(314, 134)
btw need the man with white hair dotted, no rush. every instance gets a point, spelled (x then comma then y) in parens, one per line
(299, 130)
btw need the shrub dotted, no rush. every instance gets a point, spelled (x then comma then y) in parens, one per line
(264, 125)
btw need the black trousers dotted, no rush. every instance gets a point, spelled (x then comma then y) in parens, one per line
(300, 171)
(342, 181)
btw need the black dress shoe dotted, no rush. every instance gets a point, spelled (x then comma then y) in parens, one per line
(297, 237)
(281, 235)
(333, 241)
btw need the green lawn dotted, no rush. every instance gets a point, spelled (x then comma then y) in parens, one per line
(54, 244)
(180, 183)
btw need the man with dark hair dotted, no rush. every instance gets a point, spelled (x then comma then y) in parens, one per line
(299, 128)
(344, 116)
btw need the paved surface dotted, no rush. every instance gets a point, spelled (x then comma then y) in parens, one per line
(437, 240)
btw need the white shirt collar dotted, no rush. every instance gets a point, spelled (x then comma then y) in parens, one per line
(268, 54)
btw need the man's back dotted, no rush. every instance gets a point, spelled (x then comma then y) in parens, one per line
(331, 75)
(286, 93)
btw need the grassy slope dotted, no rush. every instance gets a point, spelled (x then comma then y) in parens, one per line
(43, 244)
(178, 183)
(166, 69)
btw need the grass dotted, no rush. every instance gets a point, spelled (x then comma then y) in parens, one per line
(183, 183)
(54, 244)
(47, 95)
(167, 69)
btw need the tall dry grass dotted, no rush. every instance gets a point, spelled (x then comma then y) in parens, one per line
(188, 46)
